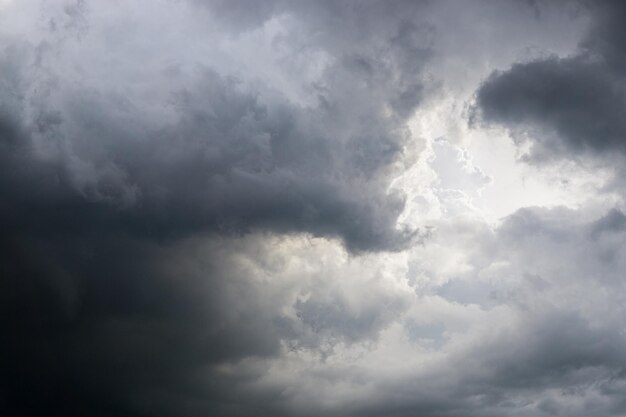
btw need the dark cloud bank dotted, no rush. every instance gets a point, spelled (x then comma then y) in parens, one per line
(571, 106)
(120, 294)
(101, 314)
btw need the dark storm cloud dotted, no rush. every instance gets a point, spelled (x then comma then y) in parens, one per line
(229, 165)
(578, 99)
(108, 304)
(237, 160)
(108, 325)
(156, 209)
(572, 105)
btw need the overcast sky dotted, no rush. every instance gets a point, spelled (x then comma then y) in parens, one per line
(325, 208)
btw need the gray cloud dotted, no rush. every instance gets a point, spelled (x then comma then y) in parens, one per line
(570, 106)
(117, 176)
(229, 164)
(556, 351)
(194, 226)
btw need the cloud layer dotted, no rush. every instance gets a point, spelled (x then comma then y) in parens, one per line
(244, 208)
(576, 102)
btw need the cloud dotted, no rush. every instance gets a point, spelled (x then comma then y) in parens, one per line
(200, 216)
(569, 106)
(133, 172)
(218, 156)
(533, 328)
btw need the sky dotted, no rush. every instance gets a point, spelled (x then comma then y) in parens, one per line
(338, 208)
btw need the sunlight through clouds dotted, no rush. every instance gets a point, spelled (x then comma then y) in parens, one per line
(312, 208)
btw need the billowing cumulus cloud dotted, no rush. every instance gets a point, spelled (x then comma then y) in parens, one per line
(250, 208)
(570, 105)
(189, 149)
(124, 161)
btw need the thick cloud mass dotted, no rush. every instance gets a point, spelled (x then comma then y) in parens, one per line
(580, 98)
(205, 210)
(110, 169)
(224, 158)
